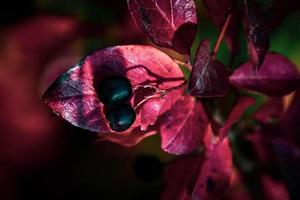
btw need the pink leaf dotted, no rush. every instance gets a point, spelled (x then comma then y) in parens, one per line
(168, 23)
(215, 173)
(210, 139)
(218, 10)
(73, 95)
(209, 78)
(277, 76)
(256, 32)
(183, 127)
(157, 106)
(180, 176)
(241, 106)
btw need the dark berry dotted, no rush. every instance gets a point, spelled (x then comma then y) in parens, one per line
(120, 117)
(148, 168)
(114, 90)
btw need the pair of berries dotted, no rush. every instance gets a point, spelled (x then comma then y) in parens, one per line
(115, 92)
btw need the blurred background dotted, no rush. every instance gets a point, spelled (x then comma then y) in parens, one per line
(41, 155)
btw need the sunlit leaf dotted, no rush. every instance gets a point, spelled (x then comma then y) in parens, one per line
(183, 127)
(168, 23)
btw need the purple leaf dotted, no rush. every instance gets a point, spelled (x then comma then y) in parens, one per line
(215, 173)
(168, 23)
(183, 127)
(256, 32)
(277, 76)
(73, 97)
(218, 10)
(209, 78)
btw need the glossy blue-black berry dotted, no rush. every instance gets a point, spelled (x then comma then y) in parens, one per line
(120, 117)
(114, 90)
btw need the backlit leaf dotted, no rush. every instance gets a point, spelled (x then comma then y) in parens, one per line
(183, 127)
(73, 96)
(168, 23)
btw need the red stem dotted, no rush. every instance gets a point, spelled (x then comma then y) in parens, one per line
(187, 65)
(221, 35)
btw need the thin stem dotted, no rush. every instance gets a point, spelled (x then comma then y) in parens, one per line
(158, 93)
(221, 35)
(187, 65)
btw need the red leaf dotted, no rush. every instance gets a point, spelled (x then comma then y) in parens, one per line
(218, 11)
(183, 127)
(73, 95)
(210, 139)
(168, 23)
(180, 176)
(273, 189)
(256, 32)
(157, 106)
(241, 106)
(273, 108)
(215, 174)
(277, 76)
(209, 78)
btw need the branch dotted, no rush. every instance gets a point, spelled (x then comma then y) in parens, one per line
(221, 35)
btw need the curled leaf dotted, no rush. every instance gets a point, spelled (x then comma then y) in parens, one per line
(73, 95)
(168, 23)
(277, 76)
(209, 78)
(183, 127)
(257, 33)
